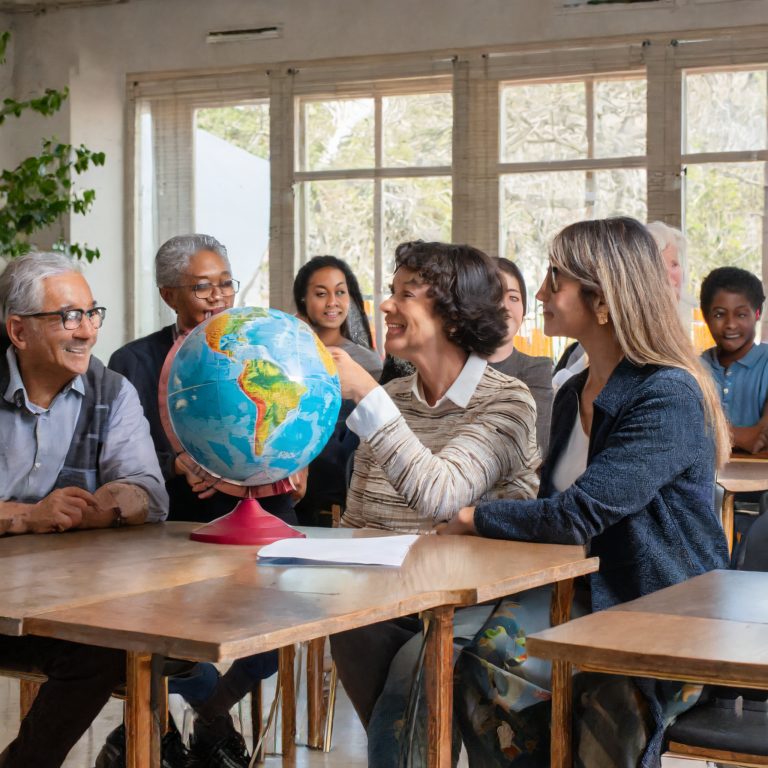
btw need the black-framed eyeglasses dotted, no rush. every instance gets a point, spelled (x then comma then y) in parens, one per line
(71, 319)
(205, 290)
(554, 285)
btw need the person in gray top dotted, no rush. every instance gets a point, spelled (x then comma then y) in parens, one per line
(328, 298)
(534, 372)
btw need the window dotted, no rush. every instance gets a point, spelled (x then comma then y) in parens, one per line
(232, 190)
(724, 160)
(569, 150)
(498, 148)
(372, 172)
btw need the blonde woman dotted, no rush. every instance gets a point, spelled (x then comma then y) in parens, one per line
(635, 442)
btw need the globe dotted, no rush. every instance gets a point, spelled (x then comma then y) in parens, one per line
(252, 395)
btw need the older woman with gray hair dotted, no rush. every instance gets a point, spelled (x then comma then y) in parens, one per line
(672, 246)
(194, 277)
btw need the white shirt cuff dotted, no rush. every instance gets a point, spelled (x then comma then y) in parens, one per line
(374, 411)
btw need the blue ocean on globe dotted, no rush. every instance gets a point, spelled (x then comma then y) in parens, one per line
(253, 395)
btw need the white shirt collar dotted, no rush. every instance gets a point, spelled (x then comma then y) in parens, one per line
(462, 389)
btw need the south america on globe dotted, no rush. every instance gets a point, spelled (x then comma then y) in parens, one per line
(253, 395)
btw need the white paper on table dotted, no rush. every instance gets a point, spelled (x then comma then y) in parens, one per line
(374, 550)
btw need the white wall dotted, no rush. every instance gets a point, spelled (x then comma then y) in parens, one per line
(93, 49)
(6, 88)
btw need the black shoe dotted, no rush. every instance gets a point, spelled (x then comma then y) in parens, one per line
(174, 753)
(112, 754)
(217, 745)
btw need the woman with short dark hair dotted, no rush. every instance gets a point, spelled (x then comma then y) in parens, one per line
(454, 430)
(457, 428)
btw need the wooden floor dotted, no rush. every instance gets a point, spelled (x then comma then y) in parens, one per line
(349, 746)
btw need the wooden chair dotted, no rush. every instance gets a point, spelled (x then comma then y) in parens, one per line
(730, 725)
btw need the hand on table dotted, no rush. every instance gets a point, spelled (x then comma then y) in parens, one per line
(751, 439)
(461, 523)
(761, 443)
(60, 510)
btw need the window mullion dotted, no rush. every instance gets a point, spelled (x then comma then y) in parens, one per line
(283, 225)
(664, 134)
(378, 222)
(764, 323)
(590, 184)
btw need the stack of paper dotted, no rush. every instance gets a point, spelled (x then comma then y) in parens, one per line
(375, 550)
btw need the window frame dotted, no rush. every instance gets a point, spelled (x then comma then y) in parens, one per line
(378, 173)
(475, 75)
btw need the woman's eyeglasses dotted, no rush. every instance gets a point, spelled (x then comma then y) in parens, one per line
(552, 272)
(205, 290)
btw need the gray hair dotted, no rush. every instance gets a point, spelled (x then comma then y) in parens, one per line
(21, 283)
(174, 255)
(664, 235)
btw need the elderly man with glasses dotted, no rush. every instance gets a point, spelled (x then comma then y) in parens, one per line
(75, 453)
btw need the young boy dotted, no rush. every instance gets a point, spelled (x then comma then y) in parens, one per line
(732, 301)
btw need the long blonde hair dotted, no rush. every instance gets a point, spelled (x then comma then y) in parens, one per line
(618, 259)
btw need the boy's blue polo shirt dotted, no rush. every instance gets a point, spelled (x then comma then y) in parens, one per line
(743, 386)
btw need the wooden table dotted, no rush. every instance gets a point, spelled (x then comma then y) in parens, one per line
(710, 629)
(744, 473)
(151, 590)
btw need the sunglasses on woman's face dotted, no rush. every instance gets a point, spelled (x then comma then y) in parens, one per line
(554, 286)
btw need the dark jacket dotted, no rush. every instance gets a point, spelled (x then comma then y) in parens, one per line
(141, 362)
(644, 505)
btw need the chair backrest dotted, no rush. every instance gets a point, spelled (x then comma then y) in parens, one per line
(756, 546)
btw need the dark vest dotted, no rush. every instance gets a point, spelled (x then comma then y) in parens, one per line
(82, 461)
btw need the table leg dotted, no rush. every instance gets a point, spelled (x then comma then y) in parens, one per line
(287, 683)
(562, 684)
(142, 751)
(727, 518)
(562, 692)
(438, 671)
(562, 601)
(28, 691)
(315, 658)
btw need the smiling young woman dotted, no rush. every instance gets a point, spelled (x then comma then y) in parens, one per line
(328, 297)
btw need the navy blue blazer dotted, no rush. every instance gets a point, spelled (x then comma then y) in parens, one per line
(645, 504)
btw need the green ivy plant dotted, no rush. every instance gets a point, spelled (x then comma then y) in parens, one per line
(39, 191)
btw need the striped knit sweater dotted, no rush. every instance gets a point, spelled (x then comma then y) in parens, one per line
(423, 466)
